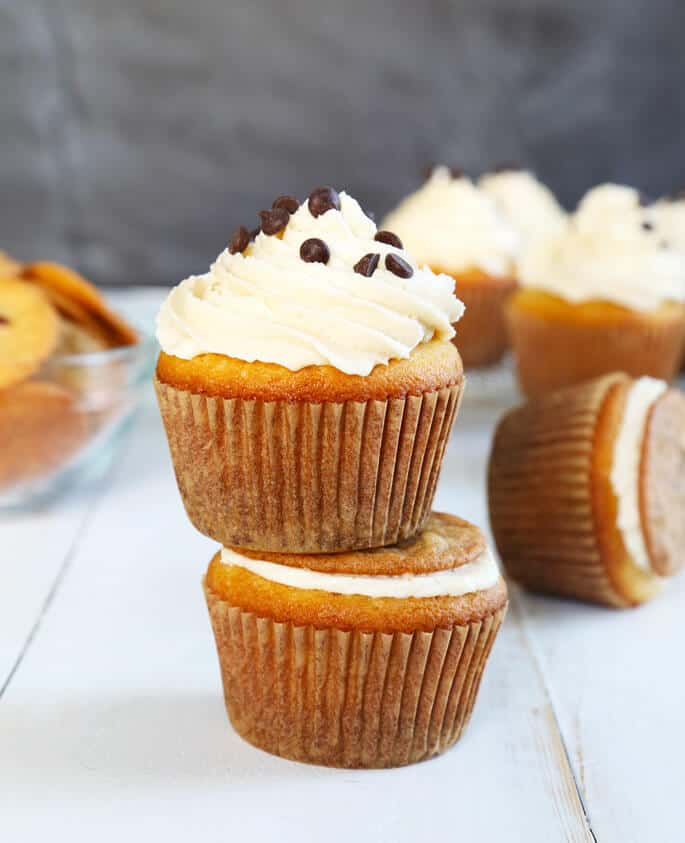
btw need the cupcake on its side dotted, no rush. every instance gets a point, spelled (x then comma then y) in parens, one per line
(308, 383)
(587, 490)
(530, 206)
(360, 659)
(455, 228)
(607, 294)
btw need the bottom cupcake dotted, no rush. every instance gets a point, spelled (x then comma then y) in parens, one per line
(587, 490)
(362, 659)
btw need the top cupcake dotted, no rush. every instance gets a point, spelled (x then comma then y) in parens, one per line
(612, 249)
(316, 284)
(452, 225)
(529, 206)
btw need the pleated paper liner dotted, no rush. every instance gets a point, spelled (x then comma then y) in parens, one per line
(348, 698)
(482, 334)
(304, 477)
(552, 515)
(551, 354)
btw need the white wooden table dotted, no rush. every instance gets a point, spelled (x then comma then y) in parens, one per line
(112, 725)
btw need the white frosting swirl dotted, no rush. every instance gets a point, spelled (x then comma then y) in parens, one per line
(625, 471)
(269, 305)
(605, 253)
(478, 575)
(530, 206)
(451, 224)
(669, 216)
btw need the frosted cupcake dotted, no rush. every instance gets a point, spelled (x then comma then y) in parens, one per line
(529, 206)
(363, 659)
(607, 294)
(454, 227)
(308, 383)
(587, 490)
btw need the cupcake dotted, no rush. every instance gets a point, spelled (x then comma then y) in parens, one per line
(455, 228)
(587, 490)
(607, 294)
(526, 203)
(308, 383)
(361, 659)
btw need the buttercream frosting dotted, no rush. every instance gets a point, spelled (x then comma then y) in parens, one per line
(625, 471)
(528, 204)
(610, 250)
(269, 305)
(478, 575)
(451, 224)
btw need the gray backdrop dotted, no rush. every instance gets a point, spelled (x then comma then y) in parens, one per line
(135, 134)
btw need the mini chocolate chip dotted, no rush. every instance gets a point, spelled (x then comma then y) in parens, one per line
(288, 202)
(366, 266)
(4, 320)
(388, 237)
(398, 266)
(457, 172)
(239, 241)
(507, 167)
(323, 199)
(274, 220)
(648, 226)
(314, 250)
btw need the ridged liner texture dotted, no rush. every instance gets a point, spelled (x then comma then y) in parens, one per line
(540, 495)
(308, 478)
(551, 355)
(482, 334)
(348, 698)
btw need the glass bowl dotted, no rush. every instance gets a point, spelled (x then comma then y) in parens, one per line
(66, 420)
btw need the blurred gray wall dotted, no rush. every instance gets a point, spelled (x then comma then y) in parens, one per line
(135, 134)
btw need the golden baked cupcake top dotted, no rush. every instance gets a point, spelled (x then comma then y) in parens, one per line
(530, 206)
(316, 285)
(612, 249)
(451, 224)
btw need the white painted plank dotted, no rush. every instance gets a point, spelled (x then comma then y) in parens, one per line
(116, 718)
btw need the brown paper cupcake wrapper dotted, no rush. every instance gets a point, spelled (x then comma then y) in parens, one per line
(348, 698)
(540, 496)
(308, 478)
(551, 355)
(482, 334)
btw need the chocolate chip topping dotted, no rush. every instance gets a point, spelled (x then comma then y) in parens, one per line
(288, 202)
(274, 220)
(508, 167)
(366, 266)
(398, 266)
(239, 241)
(457, 172)
(323, 199)
(648, 226)
(314, 250)
(388, 237)
(4, 320)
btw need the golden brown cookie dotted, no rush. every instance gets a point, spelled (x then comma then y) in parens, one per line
(29, 330)
(662, 494)
(40, 429)
(81, 301)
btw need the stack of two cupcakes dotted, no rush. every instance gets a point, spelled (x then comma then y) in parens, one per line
(308, 387)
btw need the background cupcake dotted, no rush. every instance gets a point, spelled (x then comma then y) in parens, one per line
(308, 384)
(606, 294)
(366, 659)
(530, 206)
(454, 227)
(587, 490)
